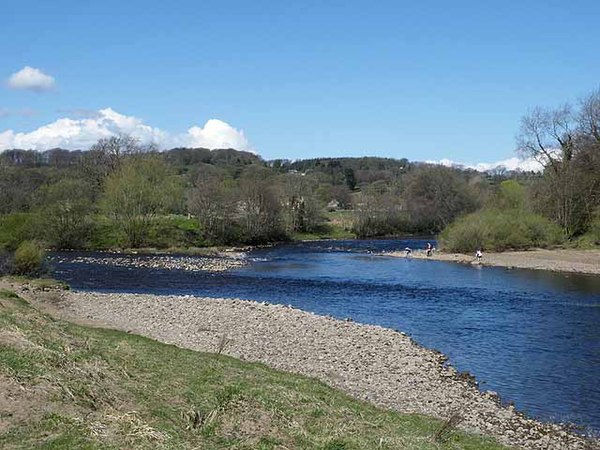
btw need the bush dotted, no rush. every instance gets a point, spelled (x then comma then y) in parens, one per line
(15, 228)
(495, 230)
(163, 232)
(174, 231)
(105, 234)
(29, 259)
(591, 238)
(64, 213)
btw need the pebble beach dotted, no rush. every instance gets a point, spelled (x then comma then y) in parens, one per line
(559, 260)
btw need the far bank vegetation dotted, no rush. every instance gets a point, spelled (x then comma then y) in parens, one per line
(122, 194)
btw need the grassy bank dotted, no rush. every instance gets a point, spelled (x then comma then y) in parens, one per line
(336, 225)
(68, 386)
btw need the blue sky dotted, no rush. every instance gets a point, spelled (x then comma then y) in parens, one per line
(422, 80)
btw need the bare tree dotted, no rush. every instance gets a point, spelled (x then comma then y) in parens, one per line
(436, 195)
(300, 205)
(589, 116)
(378, 211)
(107, 155)
(260, 207)
(548, 136)
(213, 200)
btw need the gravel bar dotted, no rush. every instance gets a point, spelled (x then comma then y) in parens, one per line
(560, 260)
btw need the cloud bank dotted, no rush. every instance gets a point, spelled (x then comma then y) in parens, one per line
(83, 132)
(525, 165)
(31, 79)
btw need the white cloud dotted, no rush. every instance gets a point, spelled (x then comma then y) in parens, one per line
(31, 79)
(83, 132)
(514, 163)
(216, 134)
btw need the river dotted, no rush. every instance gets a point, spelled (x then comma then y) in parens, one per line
(531, 336)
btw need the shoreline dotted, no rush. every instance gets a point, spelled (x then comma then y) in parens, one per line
(585, 262)
(372, 363)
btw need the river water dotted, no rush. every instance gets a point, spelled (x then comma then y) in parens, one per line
(531, 336)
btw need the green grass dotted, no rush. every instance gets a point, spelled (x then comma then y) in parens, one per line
(38, 283)
(337, 225)
(325, 233)
(79, 387)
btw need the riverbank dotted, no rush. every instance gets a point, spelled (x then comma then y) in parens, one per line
(557, 260)
(379, 365)
(65, 386)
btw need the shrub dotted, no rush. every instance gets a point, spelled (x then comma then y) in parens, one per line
(174, 231)
(496, 230)
(29, 259)
(64, 213)
(106, 234)
(15, 228)
(592, 237)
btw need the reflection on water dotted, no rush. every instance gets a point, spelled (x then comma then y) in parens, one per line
(532, 336)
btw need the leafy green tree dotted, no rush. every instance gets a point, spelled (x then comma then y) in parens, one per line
(511, 195)
(141, 188)
(64, 209)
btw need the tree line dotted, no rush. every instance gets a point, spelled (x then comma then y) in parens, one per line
(120, 193)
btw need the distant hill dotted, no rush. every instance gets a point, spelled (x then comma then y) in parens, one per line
(178, 157)
(347, 170)
(343, 170)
